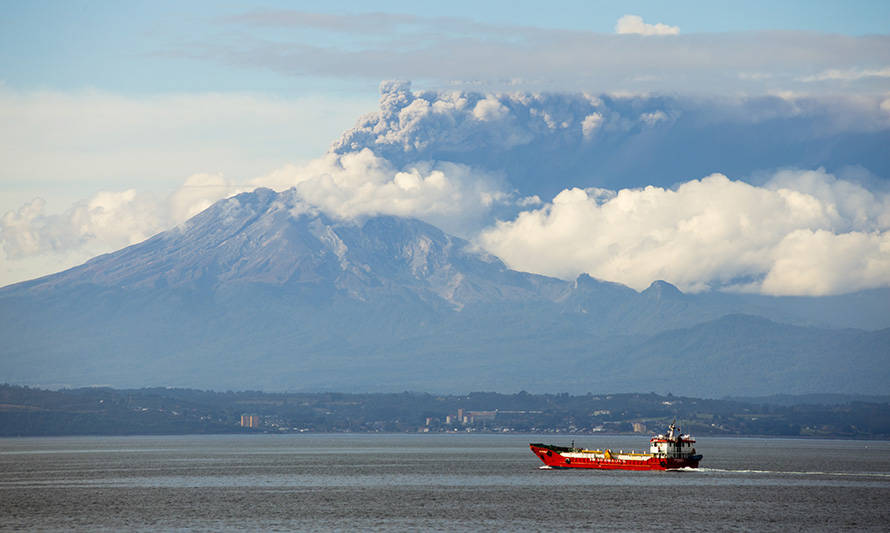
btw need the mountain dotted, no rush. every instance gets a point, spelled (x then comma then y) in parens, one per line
(261, 291)
(746, 353)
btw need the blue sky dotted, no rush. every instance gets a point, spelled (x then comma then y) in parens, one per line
(126, 46)
(119, 119)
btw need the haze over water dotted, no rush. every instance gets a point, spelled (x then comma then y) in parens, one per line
(431, 482)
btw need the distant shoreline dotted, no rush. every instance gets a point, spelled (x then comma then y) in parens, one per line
(32, 412)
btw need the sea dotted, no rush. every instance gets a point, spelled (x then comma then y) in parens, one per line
(433, 482)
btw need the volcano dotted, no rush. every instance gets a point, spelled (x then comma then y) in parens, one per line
(262, 291)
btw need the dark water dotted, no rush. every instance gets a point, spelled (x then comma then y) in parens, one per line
(432, 482)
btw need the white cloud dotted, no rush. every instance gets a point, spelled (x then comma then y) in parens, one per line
(651, 119)
(822, 262)
(851, 74)
(633, 24)
(619, 142)
(803, 233)
(197, 194)
(590, 124)
(490, 109)
(450, 195)
(35, 242)
(455, 158)
(849, 206)
(114, 219)
(461, 52)
(56, 139)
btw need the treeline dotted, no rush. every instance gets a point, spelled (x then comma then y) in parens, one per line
(26, 411)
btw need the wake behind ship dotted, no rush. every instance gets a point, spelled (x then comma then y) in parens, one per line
(666, 452)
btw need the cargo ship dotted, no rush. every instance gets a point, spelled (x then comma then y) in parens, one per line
(668, 451)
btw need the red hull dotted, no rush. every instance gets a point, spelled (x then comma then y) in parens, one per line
(557, 457)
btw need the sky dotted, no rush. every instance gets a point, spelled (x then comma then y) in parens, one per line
(120, 120)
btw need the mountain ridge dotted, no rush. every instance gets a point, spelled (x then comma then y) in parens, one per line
(261, 291)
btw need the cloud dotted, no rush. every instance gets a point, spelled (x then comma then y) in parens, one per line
(108, 220)
(821, 262)
(490, 110)
(344, 22)
(590, 124)
(851, 74)
(461, 52)
(610, 162)
(651, 119)
(114, 219)
(633, 24)
(55, 138)
(805, 233)
(450, 195)
(619, 141)
(198, 193)
(35, 242)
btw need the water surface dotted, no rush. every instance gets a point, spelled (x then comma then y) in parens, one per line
(432, 482)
